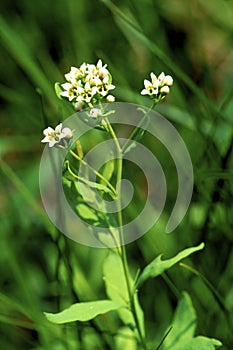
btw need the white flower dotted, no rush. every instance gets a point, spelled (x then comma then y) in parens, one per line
(102, 70)
(70, 91)
(161, 77)
(86, 93)
(150, 88)
(73, 75)
(100, 65)
(54, 136)
(158, 86)
(93, 80)
(103, 86)
(84, 69)
(91, 69)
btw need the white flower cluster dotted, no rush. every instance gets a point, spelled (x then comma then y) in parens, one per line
(157, 88)
(57, 136)
(88, 84)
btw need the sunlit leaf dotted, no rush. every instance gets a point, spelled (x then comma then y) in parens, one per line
(158, 266)
(83, 311)
(125, 339)
(86, 213)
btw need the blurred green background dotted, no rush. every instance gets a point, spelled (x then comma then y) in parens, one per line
(41, 270)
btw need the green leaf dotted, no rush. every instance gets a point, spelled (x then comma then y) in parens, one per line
(58, 89)
(125, 339)
(184, 322)
(200, 343)
(116, 289)
(158, 266)
(115, 283)
(83, 311)
(86, 213)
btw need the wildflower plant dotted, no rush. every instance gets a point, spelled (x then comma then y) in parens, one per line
(88, 89)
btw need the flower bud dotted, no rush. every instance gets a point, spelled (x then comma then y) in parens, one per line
(168, 80)
(110, 98)
(165, 90)
(67, 133)
(95, 112)
(78, 106)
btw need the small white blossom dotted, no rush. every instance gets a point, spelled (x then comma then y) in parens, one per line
(72, 75)
(102, 70)
(70, 91)
(150, 88)
(84, 68)
(52, 136)
(87, 84)
(103, 86)
(86, 93)
(55, 136)
(158, 86)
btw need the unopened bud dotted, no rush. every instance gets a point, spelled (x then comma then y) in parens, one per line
(78, 106)
(110, 98)
(165, 90)
(95, 112)
(168, 80)
(68, 134)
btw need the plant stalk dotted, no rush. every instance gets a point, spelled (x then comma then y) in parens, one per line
(121, 249)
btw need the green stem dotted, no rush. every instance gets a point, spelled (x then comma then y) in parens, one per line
(94, 171)
(135, 130)
(122, 249)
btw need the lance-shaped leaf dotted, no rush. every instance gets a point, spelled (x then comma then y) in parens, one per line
(158, 266)
(83, 311)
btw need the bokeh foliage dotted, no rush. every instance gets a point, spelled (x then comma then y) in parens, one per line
(192, 41)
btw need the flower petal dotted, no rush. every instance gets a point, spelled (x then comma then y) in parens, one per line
(144, 92)
(58, 128)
